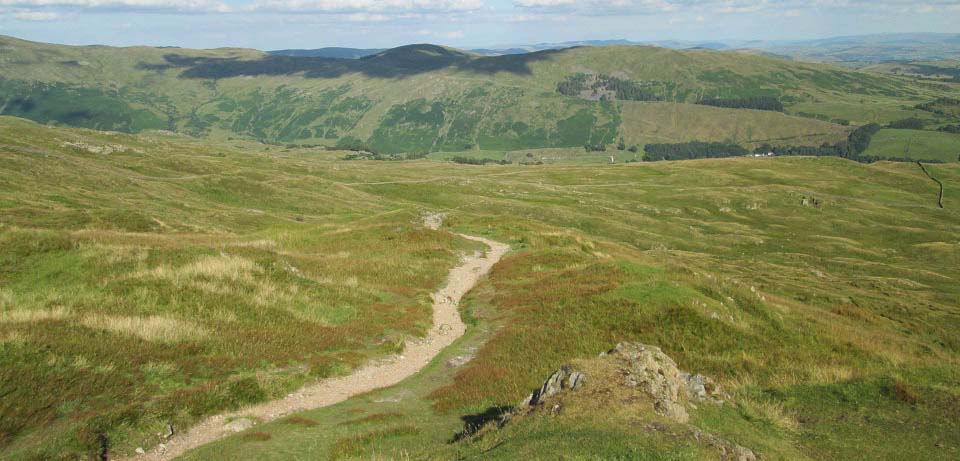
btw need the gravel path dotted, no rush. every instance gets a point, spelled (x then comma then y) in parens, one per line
(447, 327)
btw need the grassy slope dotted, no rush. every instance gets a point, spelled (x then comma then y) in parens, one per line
(835, 326)
(918, 144)
(169, 279)
(502, 103)
(645, 123)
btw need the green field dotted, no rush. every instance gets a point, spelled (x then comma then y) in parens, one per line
(916, 144)
(656, 122)
(160, 278)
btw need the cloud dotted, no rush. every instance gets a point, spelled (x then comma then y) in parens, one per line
(365, 6)
(367, 17)
(600, 7)
(36, 15)
(650, 7)
(544, 3)
(454, 34)
(146, 6)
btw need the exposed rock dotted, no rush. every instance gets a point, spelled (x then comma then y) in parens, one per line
(93, 149)
(811, 202)
(239, 425)
(140, 451)
(702, 388)
(648, 368)
(729, 451)
(459, 360)
(624, 373)
(433, 220)
(566, 378)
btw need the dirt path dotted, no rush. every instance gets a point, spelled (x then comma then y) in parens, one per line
(447, 327)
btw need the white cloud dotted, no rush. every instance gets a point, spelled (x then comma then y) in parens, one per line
(454, 34)
(369, 6)
(36, 15)
(543, 3)
(647, 7)
(182, 6)
(367, 17)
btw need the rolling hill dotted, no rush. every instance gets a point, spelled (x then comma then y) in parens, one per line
(186, 232)
(153, 279)
(431, 98)
(328, 52)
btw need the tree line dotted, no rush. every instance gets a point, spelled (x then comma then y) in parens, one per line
(851, 148)
(758, 103)
(936, 106)
(691, 150)
(478, 161)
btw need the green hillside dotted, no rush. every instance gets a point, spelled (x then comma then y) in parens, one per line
(155, 278)
(186, 232)
(430, 98)
(916, 144)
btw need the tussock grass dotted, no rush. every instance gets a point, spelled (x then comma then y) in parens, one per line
(228, 267)
(153, 328)
(812, 310)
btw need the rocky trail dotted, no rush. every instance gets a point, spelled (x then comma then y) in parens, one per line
(417, 353)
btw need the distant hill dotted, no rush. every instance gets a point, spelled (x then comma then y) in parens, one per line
(430, 98)
(357, 53)
(329, 52)
(870, 49)
(848, 50)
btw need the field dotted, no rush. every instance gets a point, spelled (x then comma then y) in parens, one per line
(916, 144)
(652, 123)
(161, 278)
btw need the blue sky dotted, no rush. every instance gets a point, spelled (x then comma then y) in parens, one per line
(273, 24)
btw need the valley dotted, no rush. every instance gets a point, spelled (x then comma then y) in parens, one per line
(421, 252)
(463, 102)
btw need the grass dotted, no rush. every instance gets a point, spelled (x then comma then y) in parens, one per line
(916, 144)
(834, 326)
(830, 325)
(154, 328)
(651, 123)
(140, 288)
(450, 102)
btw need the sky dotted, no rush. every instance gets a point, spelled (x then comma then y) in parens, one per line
(278, 24)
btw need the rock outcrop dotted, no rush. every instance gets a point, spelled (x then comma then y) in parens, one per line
(652, 374)
(566, 378)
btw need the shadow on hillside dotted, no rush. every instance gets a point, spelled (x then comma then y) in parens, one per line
(473, 423)
(395, 63)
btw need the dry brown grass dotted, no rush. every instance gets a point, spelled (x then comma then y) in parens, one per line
(154, 328)
(770, 411)
(33, 315)
(226, 267)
